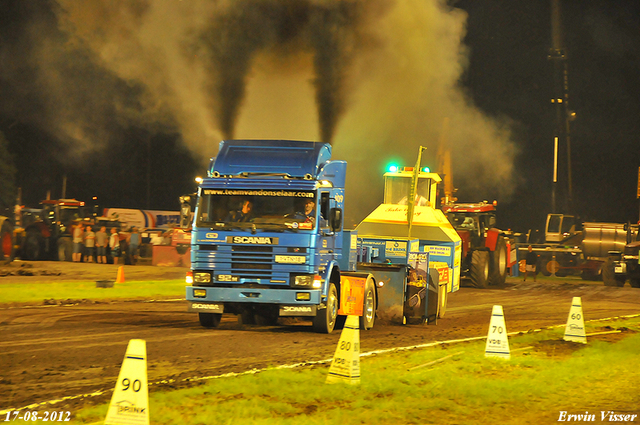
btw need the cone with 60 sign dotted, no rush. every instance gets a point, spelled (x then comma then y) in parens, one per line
(575, 323)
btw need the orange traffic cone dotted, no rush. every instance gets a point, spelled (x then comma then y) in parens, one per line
(120, 276)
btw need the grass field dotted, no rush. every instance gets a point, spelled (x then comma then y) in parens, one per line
(545, 377)
(78, 290)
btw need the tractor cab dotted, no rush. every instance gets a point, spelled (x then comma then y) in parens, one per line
(474, 218)
(397, 185)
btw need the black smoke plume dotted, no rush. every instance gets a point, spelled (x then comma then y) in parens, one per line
(330, 30)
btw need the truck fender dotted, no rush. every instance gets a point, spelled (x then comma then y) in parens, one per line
(331, 274)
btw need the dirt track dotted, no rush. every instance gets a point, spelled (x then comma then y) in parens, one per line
(50, 352)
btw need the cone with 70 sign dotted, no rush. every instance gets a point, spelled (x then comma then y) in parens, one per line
(497, 340)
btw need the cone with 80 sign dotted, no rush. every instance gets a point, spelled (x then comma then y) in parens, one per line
(345, 366)
(497, 341)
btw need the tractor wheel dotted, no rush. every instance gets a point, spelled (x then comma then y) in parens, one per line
(325, 319)
(368, 317)
(33, 248)
(210, 320)
(609, 276)
(479, 269)
(65, 249)
(6, 242)
(498, 264)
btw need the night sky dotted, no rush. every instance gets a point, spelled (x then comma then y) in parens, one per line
(508, 77)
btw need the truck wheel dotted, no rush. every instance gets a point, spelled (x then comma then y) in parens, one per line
(368, 317)
(210, 320)
(609, 276)
(498, 264)
(33, 245)
(6, 241)
(65, 249)
(589, 274)
(246, 317)
(549, 267)
(325, 319)
(635, 283)
(479, 270)
(266, 316)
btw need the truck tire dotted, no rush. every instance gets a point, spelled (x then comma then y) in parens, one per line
(33, 248)
(210, 320)
(266, 316)
(549, 267)
(479, 270)
(368, 317)
(325, 320)
(498, 264)
(635, 283)
(246, 317)
(65, 249)
(6, 242)
(609, 275)
(589, 274)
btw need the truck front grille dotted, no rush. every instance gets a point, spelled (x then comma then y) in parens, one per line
(251, 261)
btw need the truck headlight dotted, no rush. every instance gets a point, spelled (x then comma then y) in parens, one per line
(304, 280)
(202, 277)
(308, 280)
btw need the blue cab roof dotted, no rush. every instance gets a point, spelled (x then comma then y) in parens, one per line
(293, 157)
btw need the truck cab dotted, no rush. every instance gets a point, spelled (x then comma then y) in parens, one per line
(267, 233)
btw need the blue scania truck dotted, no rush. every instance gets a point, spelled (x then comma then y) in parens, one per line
(268, 242)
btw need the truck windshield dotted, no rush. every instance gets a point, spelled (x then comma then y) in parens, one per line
(257, 209)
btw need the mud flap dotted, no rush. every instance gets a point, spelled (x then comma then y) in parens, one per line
(433, 296)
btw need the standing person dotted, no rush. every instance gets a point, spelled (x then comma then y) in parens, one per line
(90, 243)
(134, 243)
(114, 244)
(101, 245)
(531, 261)
(78, 234)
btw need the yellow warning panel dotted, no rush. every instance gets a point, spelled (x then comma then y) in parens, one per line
(352, 295)
(497, 340)
(345, 366)
(130, 401)
(574, 331)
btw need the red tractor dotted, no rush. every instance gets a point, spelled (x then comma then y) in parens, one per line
(486, 250)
